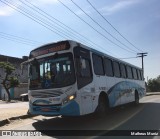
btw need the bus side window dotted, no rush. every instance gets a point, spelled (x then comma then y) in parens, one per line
(123, 70)
(129, 72)
(139, 75)
(116, 69)
(134, 73)
(109, 67)
(98, 64)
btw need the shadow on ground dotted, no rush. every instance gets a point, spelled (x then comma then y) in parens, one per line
(147, 118)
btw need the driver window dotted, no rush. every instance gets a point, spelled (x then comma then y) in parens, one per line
(47, 71)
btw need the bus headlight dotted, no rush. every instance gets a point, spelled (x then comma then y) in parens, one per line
(69, 98)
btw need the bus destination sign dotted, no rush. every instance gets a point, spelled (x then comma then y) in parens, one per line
(50, 48)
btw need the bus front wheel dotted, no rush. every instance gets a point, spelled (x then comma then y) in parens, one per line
(103, 107)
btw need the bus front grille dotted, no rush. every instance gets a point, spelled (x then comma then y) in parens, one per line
(46, 94)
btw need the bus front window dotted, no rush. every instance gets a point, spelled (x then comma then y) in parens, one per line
(53, 72)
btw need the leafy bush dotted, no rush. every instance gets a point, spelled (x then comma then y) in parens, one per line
(153, 85)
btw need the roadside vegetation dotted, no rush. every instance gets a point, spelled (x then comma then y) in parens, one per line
(9, 80)
(153, 85)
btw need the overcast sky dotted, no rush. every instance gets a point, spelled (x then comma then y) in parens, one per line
(137, 20)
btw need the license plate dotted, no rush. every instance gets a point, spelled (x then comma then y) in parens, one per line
(46, 109)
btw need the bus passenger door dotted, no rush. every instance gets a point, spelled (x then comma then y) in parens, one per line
(84, 79)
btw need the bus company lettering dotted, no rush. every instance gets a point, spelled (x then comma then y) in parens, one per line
(40, 52)
(57, 48)
(50, 50)
(102, 88)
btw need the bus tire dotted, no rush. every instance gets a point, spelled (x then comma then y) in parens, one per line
(136, 102)
(102, 108)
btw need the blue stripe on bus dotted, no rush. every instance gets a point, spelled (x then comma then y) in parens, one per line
(118, 90)
(69, 109)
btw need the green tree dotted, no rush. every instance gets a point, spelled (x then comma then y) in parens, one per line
(8, 80)
(153, 85)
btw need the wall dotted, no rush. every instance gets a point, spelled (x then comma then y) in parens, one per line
(0, 91)
(23, 78)
(23, 88)
(16, 62)
(4, 95)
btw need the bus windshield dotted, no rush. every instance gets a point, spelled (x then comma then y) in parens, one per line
(52, 72)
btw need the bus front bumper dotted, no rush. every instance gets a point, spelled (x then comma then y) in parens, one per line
(69, 109)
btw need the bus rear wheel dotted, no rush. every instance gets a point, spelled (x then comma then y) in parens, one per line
(136, 102)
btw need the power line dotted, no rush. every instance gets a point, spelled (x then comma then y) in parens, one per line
(127, 58)
(33, 17)
(113, 26)
(101, 26)
(18, 38)
(10, 39)
(93, 27)
(51, 18)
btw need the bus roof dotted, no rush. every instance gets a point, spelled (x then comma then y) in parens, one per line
(106, 55)
(67, 42)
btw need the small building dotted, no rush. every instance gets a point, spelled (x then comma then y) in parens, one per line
(23, 78)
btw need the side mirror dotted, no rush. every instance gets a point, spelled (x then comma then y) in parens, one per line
(30, 70)
(36, 64)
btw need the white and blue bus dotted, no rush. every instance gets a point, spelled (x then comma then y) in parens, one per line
(70, 79)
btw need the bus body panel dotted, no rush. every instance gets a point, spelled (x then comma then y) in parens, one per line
(87, 99)
(124, 92)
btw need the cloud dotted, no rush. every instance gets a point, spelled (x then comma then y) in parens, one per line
(6, 11)
(108, 10)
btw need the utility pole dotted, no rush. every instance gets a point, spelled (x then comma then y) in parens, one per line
(142, 55)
